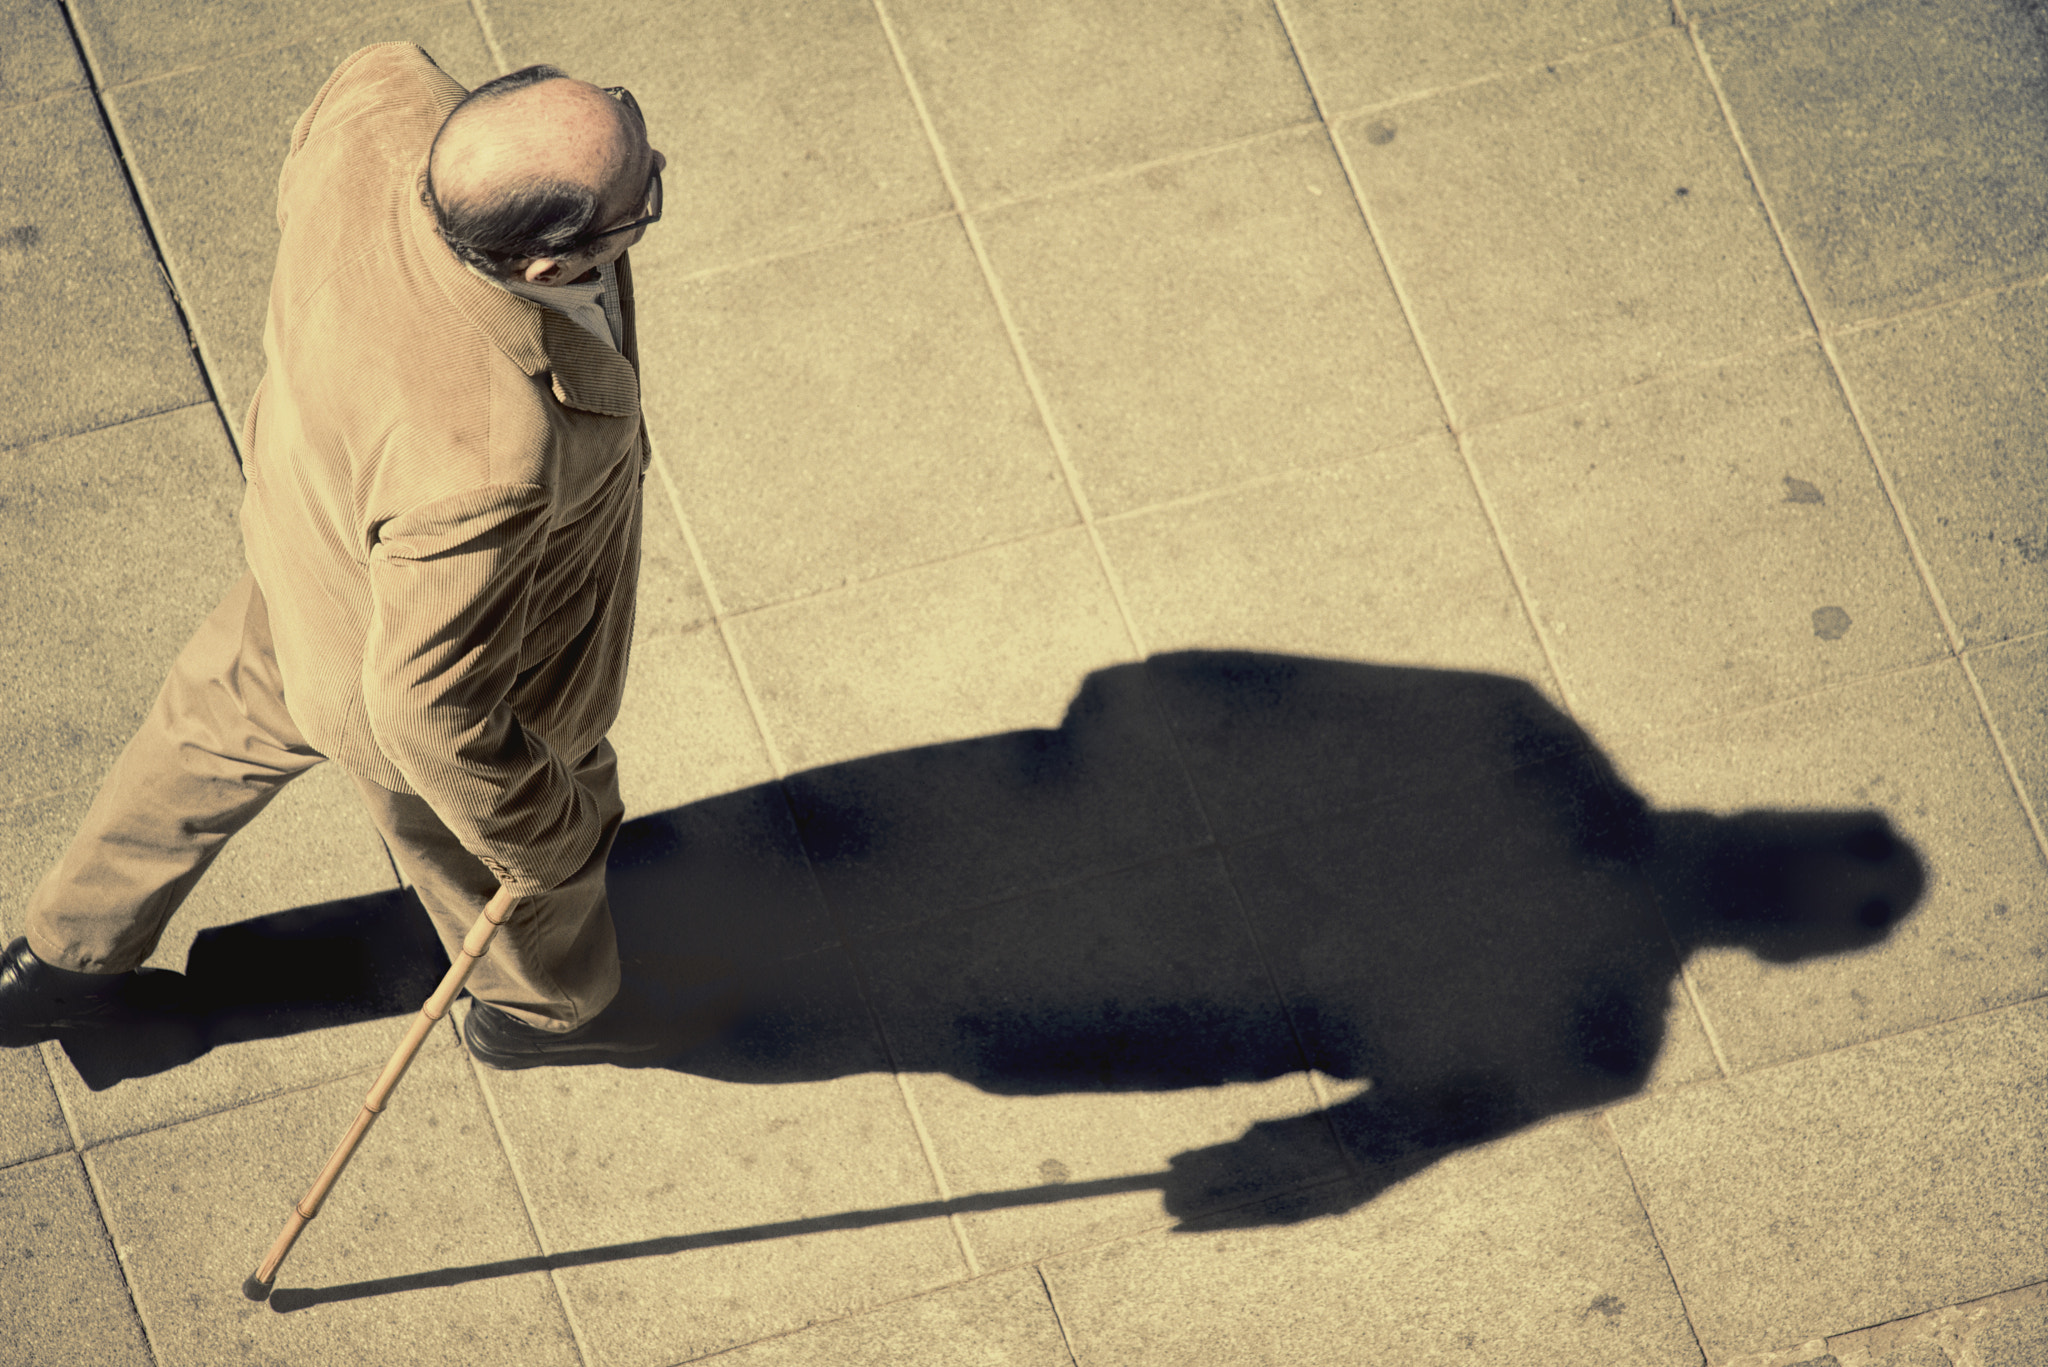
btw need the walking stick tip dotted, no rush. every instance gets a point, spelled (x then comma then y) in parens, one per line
(257, 1290)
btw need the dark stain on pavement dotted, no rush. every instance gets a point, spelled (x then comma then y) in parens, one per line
(1831, 623)
(1379, 132)
(20, 239)
(1799, 491)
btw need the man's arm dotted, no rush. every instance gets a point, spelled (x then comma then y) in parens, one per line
(449, 583)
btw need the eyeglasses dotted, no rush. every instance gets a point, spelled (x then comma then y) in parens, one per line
(652, 203)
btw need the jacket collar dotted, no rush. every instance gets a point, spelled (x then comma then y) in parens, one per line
(583, 372)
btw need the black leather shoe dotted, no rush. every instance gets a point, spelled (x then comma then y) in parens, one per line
(499, 1040)
(39, 1002)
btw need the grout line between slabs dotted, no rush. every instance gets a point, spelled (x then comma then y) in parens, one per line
(2012, 772)
(336, 28)
(927, 1144)
(1059, 1320)
(1953, 634)
(777, 765)
(1905, 523)
(1372, 230)
(1040, 400)
(483, 1086)
(105, 1212)
(1605, 1127)
(490, 33)
(1498, 75)
(201, 364)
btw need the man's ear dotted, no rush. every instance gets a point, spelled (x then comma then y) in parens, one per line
(542, 270)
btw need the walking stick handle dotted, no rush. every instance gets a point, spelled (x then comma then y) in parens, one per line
(474, 946)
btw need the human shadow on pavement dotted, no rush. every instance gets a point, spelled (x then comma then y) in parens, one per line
(335, 963)
(1427, 885)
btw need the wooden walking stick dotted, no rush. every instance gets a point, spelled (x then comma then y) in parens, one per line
(474, 944)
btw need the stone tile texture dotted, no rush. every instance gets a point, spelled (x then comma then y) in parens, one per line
(1275, 639)
(32, 1126)
(1895, 141)
(1357, 56)
(1706, 543)
(1852, 1188)
(1528, 1254)
(39, 58)
(1952, 399)
(838, 415)
(1510, 208)
(118, 544)
(1226, 309)
(58, 1275)
(1023, 97)
(94, 335)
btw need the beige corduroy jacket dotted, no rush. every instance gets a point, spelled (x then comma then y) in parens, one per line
(443, 501)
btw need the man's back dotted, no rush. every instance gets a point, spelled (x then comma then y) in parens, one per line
(443, 478)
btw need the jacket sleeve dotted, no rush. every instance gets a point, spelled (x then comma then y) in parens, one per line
(449, 583)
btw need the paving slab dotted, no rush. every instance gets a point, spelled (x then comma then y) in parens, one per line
(2011, 677)
(785, 128)
(193, 1208)
(671, 599)
(1356, 56)
(118, 543)
(1850, 1189)
(1094, 1034)
(1210, 320)
(1407, 570)
(837, 415)
(1004, 1320)
(1706, 543)
(206, 146)
(39, 58)
(1545, 259)
(685, 731)
(690, 1214)
(1526, 1253)
(133, 40)
(2006, 1330)
(31, 1125)
(1913, 748)
(58, 1277)
(85, 294)
(1952, 399)
(1895, 142)
(939, 653)
(1022, 98)
(990, 745)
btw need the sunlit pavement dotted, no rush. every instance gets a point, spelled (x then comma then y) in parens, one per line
(1164, 514)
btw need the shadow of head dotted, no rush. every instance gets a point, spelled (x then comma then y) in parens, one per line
(1786, 885)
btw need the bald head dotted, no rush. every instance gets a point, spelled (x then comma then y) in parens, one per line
(530, 163)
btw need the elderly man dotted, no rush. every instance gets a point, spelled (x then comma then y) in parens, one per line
(442, 527)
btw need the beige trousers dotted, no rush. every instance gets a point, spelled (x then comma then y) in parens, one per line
(217, 746)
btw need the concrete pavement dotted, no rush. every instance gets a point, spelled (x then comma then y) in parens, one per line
(1170, 518)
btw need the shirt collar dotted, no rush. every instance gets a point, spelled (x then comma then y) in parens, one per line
(583, 372)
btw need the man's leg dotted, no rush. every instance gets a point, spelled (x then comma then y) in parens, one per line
(216, 747)
(554, 964)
